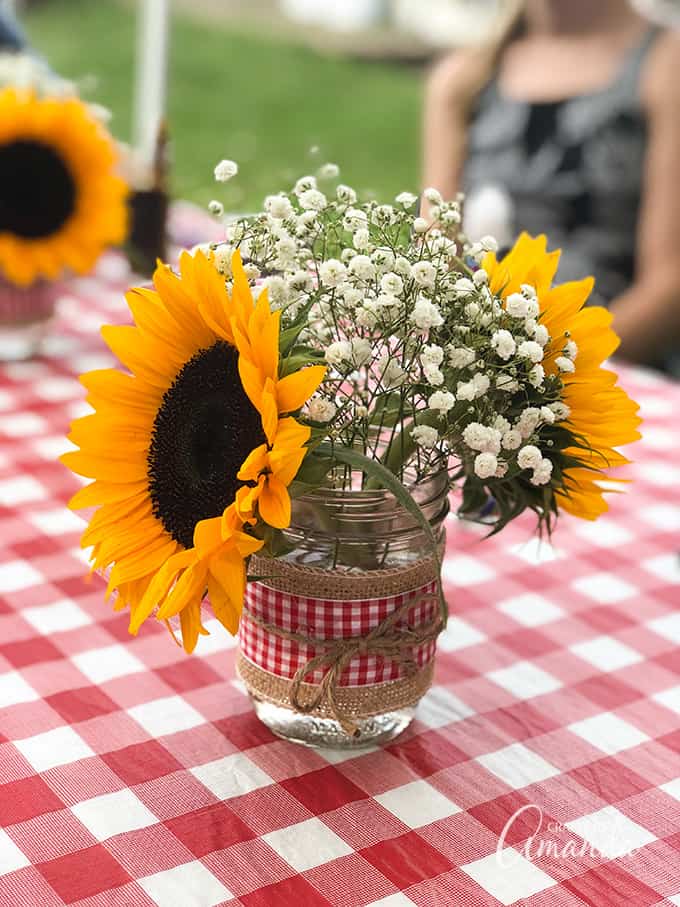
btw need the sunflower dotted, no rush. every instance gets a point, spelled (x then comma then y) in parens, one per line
(601, 414)
(192, 448)
(61, 203)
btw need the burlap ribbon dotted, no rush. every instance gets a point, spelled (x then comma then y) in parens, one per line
(388, 640)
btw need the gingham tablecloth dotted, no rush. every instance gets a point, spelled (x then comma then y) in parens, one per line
(132, 775)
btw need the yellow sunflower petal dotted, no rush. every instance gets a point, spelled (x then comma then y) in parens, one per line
(294, 390)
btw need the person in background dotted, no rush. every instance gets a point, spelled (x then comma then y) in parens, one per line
(568, 123)
(11, 36)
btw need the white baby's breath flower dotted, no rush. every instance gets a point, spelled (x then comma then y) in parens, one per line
(354, 219)
(313, 200)
(481, 383)
(383, 259)
(338, 352)
(391, 283)
(489, 243)
(393, 375)
(426, 314)
(464, 286)
(560, 410)
(300, 280)
(516, 305)
(407, 199)
(332, 272)
(501, 471)
(460, 356)
(222, 258)
(216, 208)
(384, 214)
(501, 424)
(304, 184)
(346, 195)
(564, 364)
(511, 439)
(432, 353)
(441, 402)
(347, 255)
(532, 308)
(425, 436)
(528, 421)
(319, 409)
(482, 438)
(329, 172)
(361, 239)
(420, 225)
(504, 343)
(547, 415)
(472, 310)
(278, 206)
(225, 171)
(466, 390)
(570, 350)
(528, 290)
(277, 290)
(352, 295)
(480, 277)
(362, 267)
(433, 374)
(366, 317)
(486, 465)
(362, 352)
(402, 267)
(251, 271)
(529, 457)
(387, 301)
(542, 473)
(529, 349)
(433, 196)
(541, 334)
(536, 376)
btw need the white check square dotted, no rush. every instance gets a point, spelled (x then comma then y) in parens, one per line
(666, 567)
(440, 707)
(610, 832)
(22, 425)
(231, 776)
(51, 748)
(11, 857)
(459, 635)
(20, 491)
(57, 522)
(536, 551)
(518, 766)
(525, 680)
(307, 844)
(107, 663)
(667, 626)
(606, 653)
(17, 575)
(166, 716)
(508, 876)
(608, 732)
(417, 804)
(672, 788)
(189, 885)
(463, 570)
(113, 814)
(605, 588)
(670, 698)
(14, 690)
(604, 533)
(531, 610)
(57, 617)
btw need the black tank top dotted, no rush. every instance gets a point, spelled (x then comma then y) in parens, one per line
(571, 169)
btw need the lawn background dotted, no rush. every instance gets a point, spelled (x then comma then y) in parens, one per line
(249, 97)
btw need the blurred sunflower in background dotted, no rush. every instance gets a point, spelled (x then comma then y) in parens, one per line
(61, 201)
(192, 448)
(598, 412)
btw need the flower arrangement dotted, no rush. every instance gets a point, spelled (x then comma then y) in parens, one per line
(333, 346)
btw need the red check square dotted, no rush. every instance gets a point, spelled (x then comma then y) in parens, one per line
(141, 762)
(428, 753)
(245, 730)
(191, 674)
(610, 779)
(323, 790)
(295, 890)
(613, 886)
(82, 704)
(496, 813)
(209, 829)
(84, 873)
(406, 860)
(22, 800)
(30, 651)
(607, 691)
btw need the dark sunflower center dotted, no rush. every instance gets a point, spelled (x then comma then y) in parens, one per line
(37, 190)
(204, 429)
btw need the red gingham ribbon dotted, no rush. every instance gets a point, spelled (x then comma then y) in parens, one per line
(325, 619)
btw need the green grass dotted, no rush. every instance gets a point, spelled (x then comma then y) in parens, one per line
(245, 97)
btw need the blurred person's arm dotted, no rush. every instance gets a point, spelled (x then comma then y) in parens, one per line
(449, 88)
(647, 316)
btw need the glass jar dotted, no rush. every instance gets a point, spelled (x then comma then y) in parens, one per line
(25, 314)
(355, 540)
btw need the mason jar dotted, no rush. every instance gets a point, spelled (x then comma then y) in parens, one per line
(338, 632)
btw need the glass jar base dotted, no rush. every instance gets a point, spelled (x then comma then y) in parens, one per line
(310, 730)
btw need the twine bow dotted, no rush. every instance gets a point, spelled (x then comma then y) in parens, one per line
(387, 640)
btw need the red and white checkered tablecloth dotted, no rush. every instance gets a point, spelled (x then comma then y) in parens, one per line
(543, 768)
